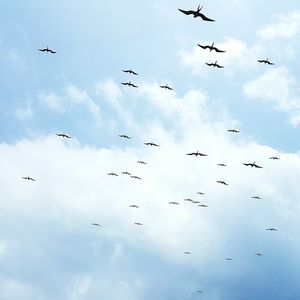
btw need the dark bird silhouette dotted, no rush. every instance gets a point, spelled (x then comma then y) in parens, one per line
(196, 13)
(196, 153)
(136, 177)
(272, 229)
(200, 193)
(28, 178)
(233, 130)
(187, 252)
(256, 197)
(221, 165)
(265, 61)
(215, 64)
(141, 162)
(151, 144)
(95, 224)
(202, 205)
(166, 87)
(222, 182)
(63, 135)
(274, 157)
(139, 224)
(228, 258)
(199, 291)
(129, 84)
(47, 50)
(188, 199)
(195, 201)
(252, 165)
(130, 72)
(134, 206)
(212, 47)
(258, 254)
(173, 202)
(124, 136)
(126, 173)
(112, 174)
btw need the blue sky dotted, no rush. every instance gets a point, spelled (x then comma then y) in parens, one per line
(49, 250)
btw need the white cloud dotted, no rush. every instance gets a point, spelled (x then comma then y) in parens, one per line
(24, 113)
(53, 101)
(278, 87)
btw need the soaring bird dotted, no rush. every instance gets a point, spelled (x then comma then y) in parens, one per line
(222, 182)
(28, 178)
(112, 174)
(139, 224)
(202, 205)
(221, 165)
(129, 84)
(187, 252)
(136, 177)
(272, 229)
(63, 135)
(124, 136)
(188, 199)
(258, 254)
(196, 13)
(274, 157)
(252, 165)
(141, 162)
(130, 72)
(199, 291)
(233, 130)
(228, 258)
(166, 87)
(126, 173)
(196, 153)
(173, 202)
(95, 224)
(256, 197)
(265, 61)
(215, 64)
(212, 47)
(133, 205)
(47, 50)
(200, 193)
(195, 201)
(151, 144)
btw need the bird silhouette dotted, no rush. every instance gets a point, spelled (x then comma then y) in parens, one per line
(47, 50)
(112, 174)
(28, 178)
(136, 177)
(196, 153)
(126, 173)
(151, 144)
(274, 157)
(129, 84)
(256, 197)
(130, 72)
(228, 258)
(124, 136)
(173, 202)
(265, 61)
(134, 206)
(233, 130)
(215, 64)
(258, 254)
(252, 165)
(63, 135)
(202, 205)
(196, 13)
(141, 162)
(95, 224)
(272, 229)
(221, 165)
(139, 224)
(187, 252)
(188, 199)
(200, 193)
(212, 47)
(166, 87)
(222, 182)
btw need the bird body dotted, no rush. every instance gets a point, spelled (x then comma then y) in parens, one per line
(233, 130)
(151, 144)
(256, 197)
(130, 72)
(222, 165)
(124, 136)
(196, 153)
(139, 224)
(47, 50)
(222, 182)
(215, 64)
(202, 205)
(28, 178)
(63, 135)
(274, 157)
(126, 173)
(134, 206)
(252, 165)
(136, 177)
(166, 87)
(129, 84)
(112, 174)
(272, 229)
(212, 47)
(265, 61)
(196, 13)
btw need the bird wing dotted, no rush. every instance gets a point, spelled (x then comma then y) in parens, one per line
(269, 63)
(210, 64)
(201, 154)
(247, 164)
(52, 51)
(187, 12)
(203, 47)
(43, 50)
(135, 86)
(134, 73)
(261, 60)
(204, 18)
(124, 83)
(259, 167)
(218, 50)
(220, 67)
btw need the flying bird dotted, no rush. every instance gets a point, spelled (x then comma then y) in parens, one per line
(130, 72)
(202, 205)
(134, 206)
(258, 254)
(272, 229)
(274, 157)
(136, 177)
(47, 50)
(63, 135)
(221, 165)
(173, 202)
(265, 61)
(252, 165)
(228, 258)
(196, 153)
(256, 197)
(129, 84)
(199, 292)
(212, 47)
(195, 201)
(188, 199)
(215, 64)
(222, 182)
(196, 13)
(233, 130)
(95, 224)
(151, 144)
(126, 173)
(112, 174)
(200, 193)
(186, 252)
(124, 136)
(166, 87)
(141, 162)
(28, 178)
(139, 224)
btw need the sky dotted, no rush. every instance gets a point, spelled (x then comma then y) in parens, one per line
(48, 247)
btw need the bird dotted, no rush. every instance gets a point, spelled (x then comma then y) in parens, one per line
(136, 177)
(166, 87)
(47, 50)
(221, 165)
(258, 254)
(28, 178)
(141, 162)
(151, 144)
(252, 165)
(95, 224)
(173, 202)
(130, 72)
(212, 47)
(199, 292)
(129, 84)
(187, 252)
(63, 135)
(196, 13)
(233, 130)
(124, 136)
(195, 201)
(256, 197)
(202, 205)
(274, 157)
(112, 174)
(188, 199)
(196, 153)
(228, 258)
(133, 205)
(272, 229)
(215, 64)
(139, 224)
(200, 193)
(265, 61)
(126, 173)
(222, 182)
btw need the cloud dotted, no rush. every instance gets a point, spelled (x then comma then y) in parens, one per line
(278, 87)
(25, 113)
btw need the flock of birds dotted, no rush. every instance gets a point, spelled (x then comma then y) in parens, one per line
(195, 13)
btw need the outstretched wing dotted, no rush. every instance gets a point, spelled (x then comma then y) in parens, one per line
(204, 18)
(52, 51)
(210, 64)
(187, 12)
(269, 63)
(203, 47)
(134, 73)
(220, 67)
(135, 86)
(261, 60)
(218, 50)
(43, 50)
